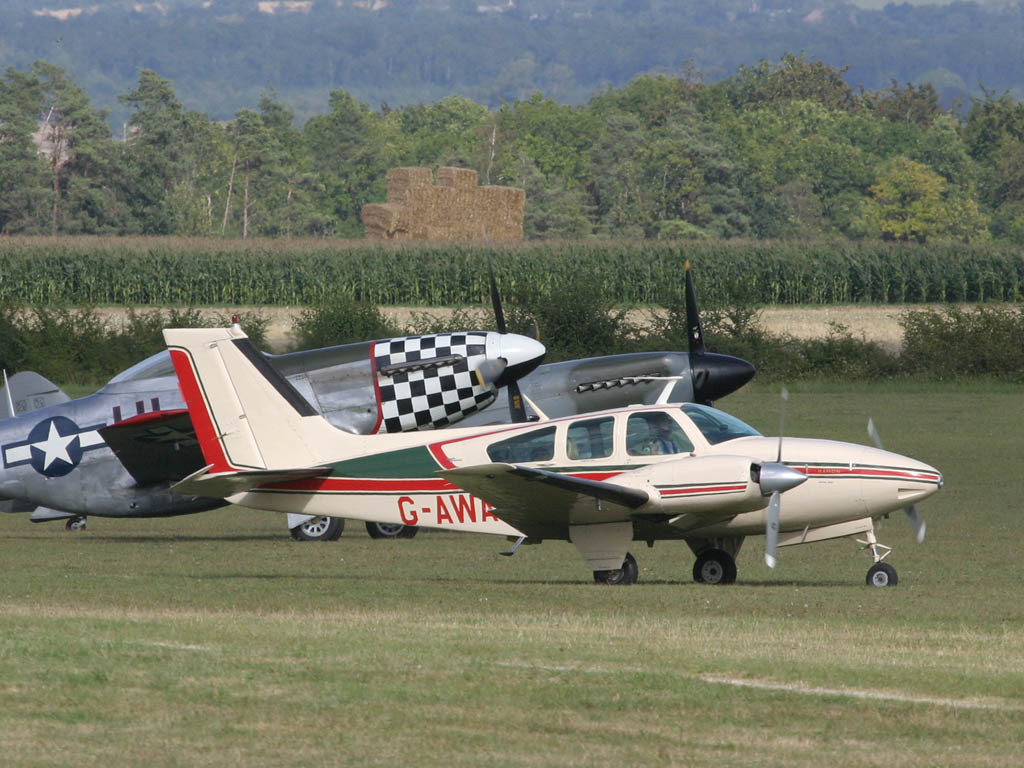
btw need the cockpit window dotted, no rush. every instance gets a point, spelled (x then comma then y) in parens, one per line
(655, 433)
(531, 446)
(718, 426)
(153, 367)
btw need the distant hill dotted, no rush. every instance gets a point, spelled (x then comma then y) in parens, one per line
(220, 54)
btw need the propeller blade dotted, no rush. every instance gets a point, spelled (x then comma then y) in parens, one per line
(516, 408)
(499, 313)
(916, 522)
(489, 371)
(771, 529)
(913, 516)
(693, 328)
(873, 434)
(784, 396)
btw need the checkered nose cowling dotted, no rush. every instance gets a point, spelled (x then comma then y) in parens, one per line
(432, 396)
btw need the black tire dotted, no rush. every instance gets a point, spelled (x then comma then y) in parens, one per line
(319, 529)
(623, 576)
(714, 566)
(882, 575)
(76, 523)
(391, 530)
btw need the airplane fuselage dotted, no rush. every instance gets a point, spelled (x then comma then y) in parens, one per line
(845, 481)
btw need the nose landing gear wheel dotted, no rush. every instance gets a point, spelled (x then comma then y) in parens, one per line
(882, 575)
(625, 575)
(714, 566)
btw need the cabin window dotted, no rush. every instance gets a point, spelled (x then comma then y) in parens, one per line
(538, 445)
(655, 433)
(591, 439)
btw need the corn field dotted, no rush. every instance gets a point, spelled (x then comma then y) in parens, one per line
(189, 272)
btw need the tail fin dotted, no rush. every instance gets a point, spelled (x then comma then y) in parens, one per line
(246, 415)
(28, 391)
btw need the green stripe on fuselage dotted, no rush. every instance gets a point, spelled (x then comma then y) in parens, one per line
(407, 462)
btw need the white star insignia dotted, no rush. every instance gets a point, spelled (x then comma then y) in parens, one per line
(55, 446)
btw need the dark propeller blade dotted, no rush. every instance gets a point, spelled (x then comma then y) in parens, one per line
(714, 375)
(516, 409)
(693, 315)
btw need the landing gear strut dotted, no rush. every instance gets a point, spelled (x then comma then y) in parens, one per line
(625, 575)
(880, 574)
(714, 566)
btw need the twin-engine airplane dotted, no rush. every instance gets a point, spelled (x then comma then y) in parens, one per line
(118, 452)
(600, 480)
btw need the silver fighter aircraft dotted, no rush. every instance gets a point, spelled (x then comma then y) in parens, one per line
(62, 459)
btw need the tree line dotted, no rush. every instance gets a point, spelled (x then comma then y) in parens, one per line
(784, 149)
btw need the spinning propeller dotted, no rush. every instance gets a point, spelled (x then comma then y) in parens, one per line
(913, 516)
(775, 478)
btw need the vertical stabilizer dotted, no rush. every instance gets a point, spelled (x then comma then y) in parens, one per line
(246, 415)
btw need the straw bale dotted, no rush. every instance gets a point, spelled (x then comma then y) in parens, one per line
(462, 178)
(385, 221)
(399, 180)
(455, 209)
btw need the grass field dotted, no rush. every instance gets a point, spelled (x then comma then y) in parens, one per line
(214, 639)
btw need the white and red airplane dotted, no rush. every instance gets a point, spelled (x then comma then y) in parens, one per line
(600, 480)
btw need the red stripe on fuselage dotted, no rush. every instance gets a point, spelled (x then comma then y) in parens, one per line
(188, 383)
(376, 389)
(703, 489)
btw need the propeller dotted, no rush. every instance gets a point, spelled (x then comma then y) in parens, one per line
(714, 375)
(775, 478)
(913, 516)
(516, 408)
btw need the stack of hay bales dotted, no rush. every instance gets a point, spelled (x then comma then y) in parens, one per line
(456, 209)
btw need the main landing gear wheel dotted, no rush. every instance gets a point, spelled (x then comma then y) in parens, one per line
(319, 529)
(714, 566)
(76, 523)
(626, 575)
(882, 575)
(391, 530)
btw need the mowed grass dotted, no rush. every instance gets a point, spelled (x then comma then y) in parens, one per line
(214, 639)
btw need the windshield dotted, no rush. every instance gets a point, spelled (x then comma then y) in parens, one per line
(717, 426)
(154, 367)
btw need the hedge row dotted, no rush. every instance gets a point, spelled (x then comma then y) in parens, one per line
(184, 272)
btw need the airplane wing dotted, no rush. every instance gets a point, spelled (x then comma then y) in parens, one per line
(155, 447)
(544, 504)
(221, 485)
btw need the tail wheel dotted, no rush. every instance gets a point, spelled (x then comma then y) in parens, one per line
(391, 530)
(319, 529)
(625, 575)
(714, 566)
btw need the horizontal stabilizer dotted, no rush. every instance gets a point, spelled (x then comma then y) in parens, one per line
(28, 391)
(222, 485)
(45, 515)
(544, 504)
(155, 447)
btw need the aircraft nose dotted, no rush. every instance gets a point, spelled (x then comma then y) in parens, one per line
(521, 353)
(716, 376)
